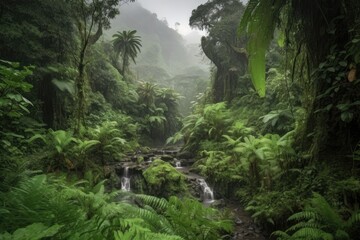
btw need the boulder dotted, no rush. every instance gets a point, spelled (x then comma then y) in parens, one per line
(185, 155)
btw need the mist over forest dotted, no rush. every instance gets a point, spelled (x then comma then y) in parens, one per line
(113, 125)
(166, 58)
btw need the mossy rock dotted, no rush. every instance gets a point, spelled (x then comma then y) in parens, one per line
(164, 180)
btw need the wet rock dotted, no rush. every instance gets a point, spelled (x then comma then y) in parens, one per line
(238, 221)
(171, 152)
(187, 162)
(218, 203)
(158, 152)
(167, 158)
(185, 155)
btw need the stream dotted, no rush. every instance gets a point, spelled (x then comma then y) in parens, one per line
(245, 228)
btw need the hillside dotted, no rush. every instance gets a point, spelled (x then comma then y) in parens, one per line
(164, 53)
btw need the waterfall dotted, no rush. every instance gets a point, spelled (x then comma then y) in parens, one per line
(207, 194)
(150, 159)
(125, 180)
(177, 163)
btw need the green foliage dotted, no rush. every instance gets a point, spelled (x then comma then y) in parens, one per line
(106, 79)
(164, 180)
(13, 105)
(265, 158)
(111, 141)
(186, 217)
(50, 202)
(63, 151)
(319, 221)
(259, 24)
(47, 207)
(268, 208)
(158, 112)
(58, 144)
(126, 44)
(333, 72)
(210, 124)
(222, 46)
(34, 231)
(219, 167)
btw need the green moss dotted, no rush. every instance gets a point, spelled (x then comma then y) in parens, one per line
(164, 180)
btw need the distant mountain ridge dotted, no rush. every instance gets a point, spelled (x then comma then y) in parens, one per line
(166, 58)
(163, 47)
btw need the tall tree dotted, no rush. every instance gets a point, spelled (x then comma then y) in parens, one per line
(91, 17)
(127, 45)
(40, 33)
(222, 46)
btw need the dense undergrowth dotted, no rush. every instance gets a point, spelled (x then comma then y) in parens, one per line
(289, 156)
(72, 114)
(70, 107)
(59, 205)
(47, 206)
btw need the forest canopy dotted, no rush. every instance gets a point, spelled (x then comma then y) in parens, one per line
(115, 126)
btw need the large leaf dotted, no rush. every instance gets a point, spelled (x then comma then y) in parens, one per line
(259, 21)
(35, 231)
(67, 85)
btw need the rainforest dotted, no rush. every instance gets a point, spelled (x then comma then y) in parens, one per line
(180, 120)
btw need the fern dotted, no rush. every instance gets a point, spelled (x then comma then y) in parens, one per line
(300, 225)
(320, 221)
(355, 218)
(281, 235)
(312, 234)
(304, 215)
(157, 203)
(34, 231)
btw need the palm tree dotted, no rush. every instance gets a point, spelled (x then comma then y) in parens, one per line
(126, 44)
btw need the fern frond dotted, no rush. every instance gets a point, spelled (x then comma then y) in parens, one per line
(312, 234)
(157, 222)
(309, 224)
(355, 218)
(281, 235)
(160, 204)
(162, 236)
(304, 215)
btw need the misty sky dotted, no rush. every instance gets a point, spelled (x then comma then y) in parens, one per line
(174, 11)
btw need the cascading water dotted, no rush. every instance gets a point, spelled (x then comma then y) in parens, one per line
(125, 180)
(207, 194)
(177, 163)
(150, 159)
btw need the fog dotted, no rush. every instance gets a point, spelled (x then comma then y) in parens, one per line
(174, 11)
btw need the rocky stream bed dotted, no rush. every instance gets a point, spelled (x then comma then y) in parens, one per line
(130, 170)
